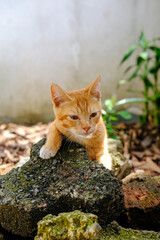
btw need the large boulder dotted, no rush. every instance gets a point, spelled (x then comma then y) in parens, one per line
(66, 182)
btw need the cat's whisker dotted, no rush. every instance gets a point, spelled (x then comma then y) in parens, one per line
(67, 144)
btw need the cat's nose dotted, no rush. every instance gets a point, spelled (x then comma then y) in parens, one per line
(86, 128)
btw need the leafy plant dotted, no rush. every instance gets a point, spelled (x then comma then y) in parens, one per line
(111, 114)
(146, 68)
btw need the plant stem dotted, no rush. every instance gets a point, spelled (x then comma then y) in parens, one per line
(146, 92)
(146, 105)
(155, 89)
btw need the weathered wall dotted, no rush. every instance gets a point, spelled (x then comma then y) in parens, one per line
(67, 42)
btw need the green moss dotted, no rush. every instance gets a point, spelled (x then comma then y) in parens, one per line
(72, 226)
(150, 198)
(79, 226)
(115, 232)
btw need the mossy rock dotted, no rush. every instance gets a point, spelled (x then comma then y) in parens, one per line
(82, 226)
(116, 232)
(74, 225)
(64, 183)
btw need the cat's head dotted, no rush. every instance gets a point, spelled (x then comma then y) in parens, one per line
(78, 112)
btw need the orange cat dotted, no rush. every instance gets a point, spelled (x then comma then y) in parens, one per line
(78, 117)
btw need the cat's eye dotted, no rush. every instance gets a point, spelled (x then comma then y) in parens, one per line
(74, 117)
(93, 115)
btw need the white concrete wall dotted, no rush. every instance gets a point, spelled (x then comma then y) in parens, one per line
(68, 42)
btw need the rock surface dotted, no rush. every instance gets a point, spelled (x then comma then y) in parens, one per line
(72, 226)
(142, 201)
(82, 226)
(2, 236)
(116, 232)
(120, 165)
(65, 183)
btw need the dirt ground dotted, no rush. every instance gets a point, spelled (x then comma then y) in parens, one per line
(141, 145)
(16, 142)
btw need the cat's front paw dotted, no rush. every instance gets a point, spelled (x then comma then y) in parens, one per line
(46, 153)
(106, 160)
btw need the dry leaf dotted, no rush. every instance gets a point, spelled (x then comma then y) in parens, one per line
(138, 154)
(151, 165)
(147, 152)
(146, 141)
(155, 149)
(8, 154)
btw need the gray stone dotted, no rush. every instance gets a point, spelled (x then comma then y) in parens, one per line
(114, 146)
(65, 183)
(120, 165)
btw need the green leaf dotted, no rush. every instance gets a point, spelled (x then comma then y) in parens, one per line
(110, 130)
(113, 136)
(139, 60)
(113, 100)
(130, 100)
(155, 49)
(128, 53)
(111, 112)
(103, 112)
(113, 118)
(108, 103)
(134, 75)
(154, 69)
(157, 96)
(144, 74)
(142, 41)
(154, 97)
(120, 82)
(144, 55)
(124, 114)
(147, 83)
(109, 125)
(129, 68)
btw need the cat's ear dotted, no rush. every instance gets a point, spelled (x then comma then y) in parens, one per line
(58, 95)
(94, 89)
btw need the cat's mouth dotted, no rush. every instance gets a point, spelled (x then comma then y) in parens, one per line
(85, 134)
(89, 133)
